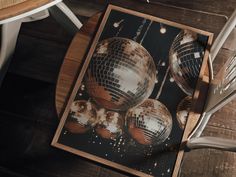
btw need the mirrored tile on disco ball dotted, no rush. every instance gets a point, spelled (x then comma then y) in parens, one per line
(149, 123)
(183, 110)
(121, 74)
(110, 124)
(185, 58)
(82, 117)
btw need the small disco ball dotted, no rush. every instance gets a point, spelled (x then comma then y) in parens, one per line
(82, 117)
(149, 123)
(185, 58)
(183, 110)
(110, 124)
(121, 74)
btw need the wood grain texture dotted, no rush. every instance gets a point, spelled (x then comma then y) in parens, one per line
(209, 6)
(72, 62)
(9, 3)
(21, 8)
(219, 7)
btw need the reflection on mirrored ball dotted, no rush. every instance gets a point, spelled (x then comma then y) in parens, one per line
(110, 124)
(185, 58)
(82, 117)
(183, 110)
(149, 123)
(121, 74)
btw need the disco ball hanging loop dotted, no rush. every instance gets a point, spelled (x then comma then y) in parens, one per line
(121, 74)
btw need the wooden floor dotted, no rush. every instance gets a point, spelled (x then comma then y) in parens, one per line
(28, 116)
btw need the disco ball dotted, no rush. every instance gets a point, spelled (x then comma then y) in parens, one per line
(183, 110)
(82, 117)
(185, 58)
(121, 74)
(149, 123)
(110, 124)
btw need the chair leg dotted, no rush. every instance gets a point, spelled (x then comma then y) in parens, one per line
(71, 22)
(200, 126)
(9, 33)
(212, 142)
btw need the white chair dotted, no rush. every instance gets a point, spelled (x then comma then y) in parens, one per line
(12, 17)
(222, 90)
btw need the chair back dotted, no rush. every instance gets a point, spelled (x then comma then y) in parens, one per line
(223, 87)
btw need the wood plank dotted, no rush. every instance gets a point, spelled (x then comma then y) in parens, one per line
(210, 162)
(230, 43)
(84, 8)
(26, 150)
(27, 99)
(204, 163)
(215, 8)
(225, 7)
(208, 22)
(225, 117)
(38, 58)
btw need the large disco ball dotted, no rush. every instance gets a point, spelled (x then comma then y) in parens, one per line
(149, 123)
(110, 125)
(183, 110)
(185, 58)
(82, 117)
(121, 74)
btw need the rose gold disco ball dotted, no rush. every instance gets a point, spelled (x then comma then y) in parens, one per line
(121, 74)
(82, 117)
(185, 58)
(183, 110)
(149, 123)
(110, 125)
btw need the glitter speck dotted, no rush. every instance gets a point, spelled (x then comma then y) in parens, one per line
(163, 63)
(168, 171)
(116, 25)
(80, 94)
(163, 30)
(155, 164)
(106, 155)
(171, 79)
